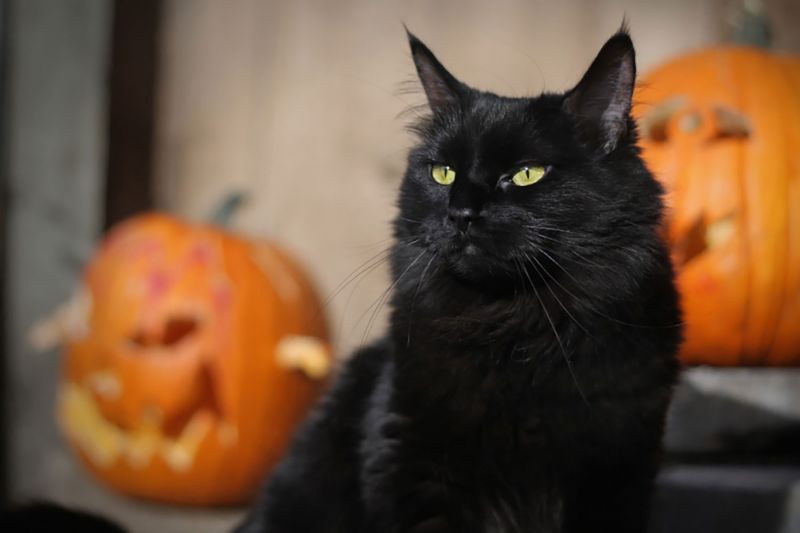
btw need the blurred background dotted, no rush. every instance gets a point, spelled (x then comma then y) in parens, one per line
(111, 108)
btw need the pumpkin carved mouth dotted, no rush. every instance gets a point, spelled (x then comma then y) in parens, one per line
(703, 236)
(177, 329)
(174, 438)
(105, 443)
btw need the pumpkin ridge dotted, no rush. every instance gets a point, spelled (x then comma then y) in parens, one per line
(789, 314)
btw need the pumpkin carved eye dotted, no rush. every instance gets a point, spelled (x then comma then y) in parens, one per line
(730, 124)
(653, 124)
(726, 122)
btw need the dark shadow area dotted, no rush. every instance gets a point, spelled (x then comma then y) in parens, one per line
(3, 239)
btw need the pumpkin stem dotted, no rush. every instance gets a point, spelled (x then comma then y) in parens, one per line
(752, 27)
(223, 213)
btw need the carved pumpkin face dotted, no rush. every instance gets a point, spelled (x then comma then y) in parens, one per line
(720, 129)
(177, 392)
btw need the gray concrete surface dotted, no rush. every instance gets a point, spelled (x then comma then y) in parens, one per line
(727, 499)
(734, 409)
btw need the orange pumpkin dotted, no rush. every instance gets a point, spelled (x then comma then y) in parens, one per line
(721, 129)
(186, 384)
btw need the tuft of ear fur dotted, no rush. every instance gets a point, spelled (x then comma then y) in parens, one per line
(601, 102)
(441, 87)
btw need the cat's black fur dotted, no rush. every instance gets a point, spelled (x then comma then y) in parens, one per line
(529, 362)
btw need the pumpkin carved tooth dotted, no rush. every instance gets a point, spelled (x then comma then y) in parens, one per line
(180, 453)
(82, 420)
(303, 353)
(142, 446)
(104, 443)
(720, 231)
(105, 384)
(144, 441)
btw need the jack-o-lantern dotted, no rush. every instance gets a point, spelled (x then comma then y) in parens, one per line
(721, 128)
(200, 354)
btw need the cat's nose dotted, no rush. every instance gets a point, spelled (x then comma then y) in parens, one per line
(462, 217)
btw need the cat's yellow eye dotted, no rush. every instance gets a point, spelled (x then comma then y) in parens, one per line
(528, 176)
(442, 174)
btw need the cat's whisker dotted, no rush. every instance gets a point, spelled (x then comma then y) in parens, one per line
(584, 260)
(550, 321)
(546, 252)
(539, 227)
(542, 270)
(383, 298)
(595, 311)
(364, 268)
(382, 242)
(361, 278)
(359, 272)
(413, 221)
(378, 304)
(414, 298)
(563, 240)
(540, 235)
(572, 243)
(585, 238)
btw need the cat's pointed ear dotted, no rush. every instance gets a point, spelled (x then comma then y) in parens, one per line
(441, 87)
(601, 102)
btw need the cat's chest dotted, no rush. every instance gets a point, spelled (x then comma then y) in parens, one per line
(493, 473)
(447, 430)
(491, 387)
(473, 406)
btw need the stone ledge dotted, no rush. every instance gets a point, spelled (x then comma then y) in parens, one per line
(751, 410)
(727, 499)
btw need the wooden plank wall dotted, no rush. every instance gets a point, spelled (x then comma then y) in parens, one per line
(297, 103)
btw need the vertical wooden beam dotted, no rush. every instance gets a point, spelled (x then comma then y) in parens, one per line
(131, 114)
(4, 428)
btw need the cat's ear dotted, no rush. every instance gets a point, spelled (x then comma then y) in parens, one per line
(441, 87)
(601, 102)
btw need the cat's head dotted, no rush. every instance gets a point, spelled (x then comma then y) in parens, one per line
(502, 189)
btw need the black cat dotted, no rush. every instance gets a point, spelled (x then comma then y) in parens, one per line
(524, 379)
